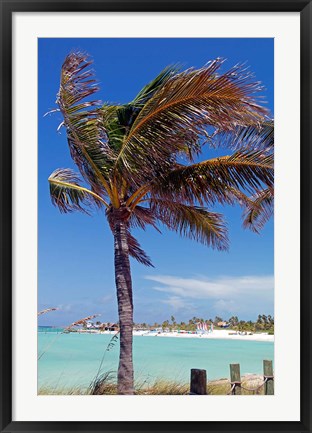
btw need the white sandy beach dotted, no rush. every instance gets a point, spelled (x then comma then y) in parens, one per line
(216, 334)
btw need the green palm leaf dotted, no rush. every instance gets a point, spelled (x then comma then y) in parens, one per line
(150, 89)
(68, 195)
(118, 119)
(114, 129)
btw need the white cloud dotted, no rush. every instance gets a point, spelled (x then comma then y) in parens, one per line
(246, 295)
(228, 306)
(220, 288)
(177, 303)
(105, 299)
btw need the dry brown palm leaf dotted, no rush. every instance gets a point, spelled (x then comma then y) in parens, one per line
(256, 137)
(47, 310)
(141, 217)
(193, 222)
(137, 252)
(81, 321)
(260, 210)
(209, 181)
(86, 135)
(180, 112)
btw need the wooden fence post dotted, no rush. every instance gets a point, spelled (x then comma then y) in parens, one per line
(235, 379)
(198, 382)
(268, 374)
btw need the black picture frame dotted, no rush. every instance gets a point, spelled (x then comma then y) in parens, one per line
(7, 9)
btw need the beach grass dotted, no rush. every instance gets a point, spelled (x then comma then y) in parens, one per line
(105, 386)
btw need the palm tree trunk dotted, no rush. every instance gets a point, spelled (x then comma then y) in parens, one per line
(125, 384)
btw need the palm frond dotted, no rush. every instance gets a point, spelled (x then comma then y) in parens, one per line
(194, 222)
(259, 211)
(141, 217)
(256, 137)
(115, 123)
(149, 90)
(118, 119)
(68, 195)
(136, 251)
(86, 135)
(180, 111)
(137, 219)
(209, 181)
(235, 196)
(47, 310)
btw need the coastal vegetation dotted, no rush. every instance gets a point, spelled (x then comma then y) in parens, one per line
(159, 387)
(264, 323)
(140, 162)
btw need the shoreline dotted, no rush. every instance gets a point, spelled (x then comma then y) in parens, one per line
(216, 334)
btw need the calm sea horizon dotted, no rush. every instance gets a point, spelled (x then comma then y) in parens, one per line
(73, 360)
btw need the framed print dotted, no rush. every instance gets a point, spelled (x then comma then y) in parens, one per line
(149, 281)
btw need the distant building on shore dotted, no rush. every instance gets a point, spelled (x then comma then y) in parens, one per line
(102, 326)
(223, 324)
(112, 327)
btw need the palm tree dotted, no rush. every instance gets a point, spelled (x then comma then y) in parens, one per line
(233, 321)
(139, 161)
(217, 320)
(270, 319)
(165, 324)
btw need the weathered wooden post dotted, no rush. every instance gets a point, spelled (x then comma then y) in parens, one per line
(235, 379)
(268, 377)
(198, 382)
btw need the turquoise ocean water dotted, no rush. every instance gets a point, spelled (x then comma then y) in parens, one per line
(73, 359)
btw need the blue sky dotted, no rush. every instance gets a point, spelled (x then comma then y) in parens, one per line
(75, 259)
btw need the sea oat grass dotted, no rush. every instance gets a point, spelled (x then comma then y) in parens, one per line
(105, 385)
(50, 390)
(164, 387)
